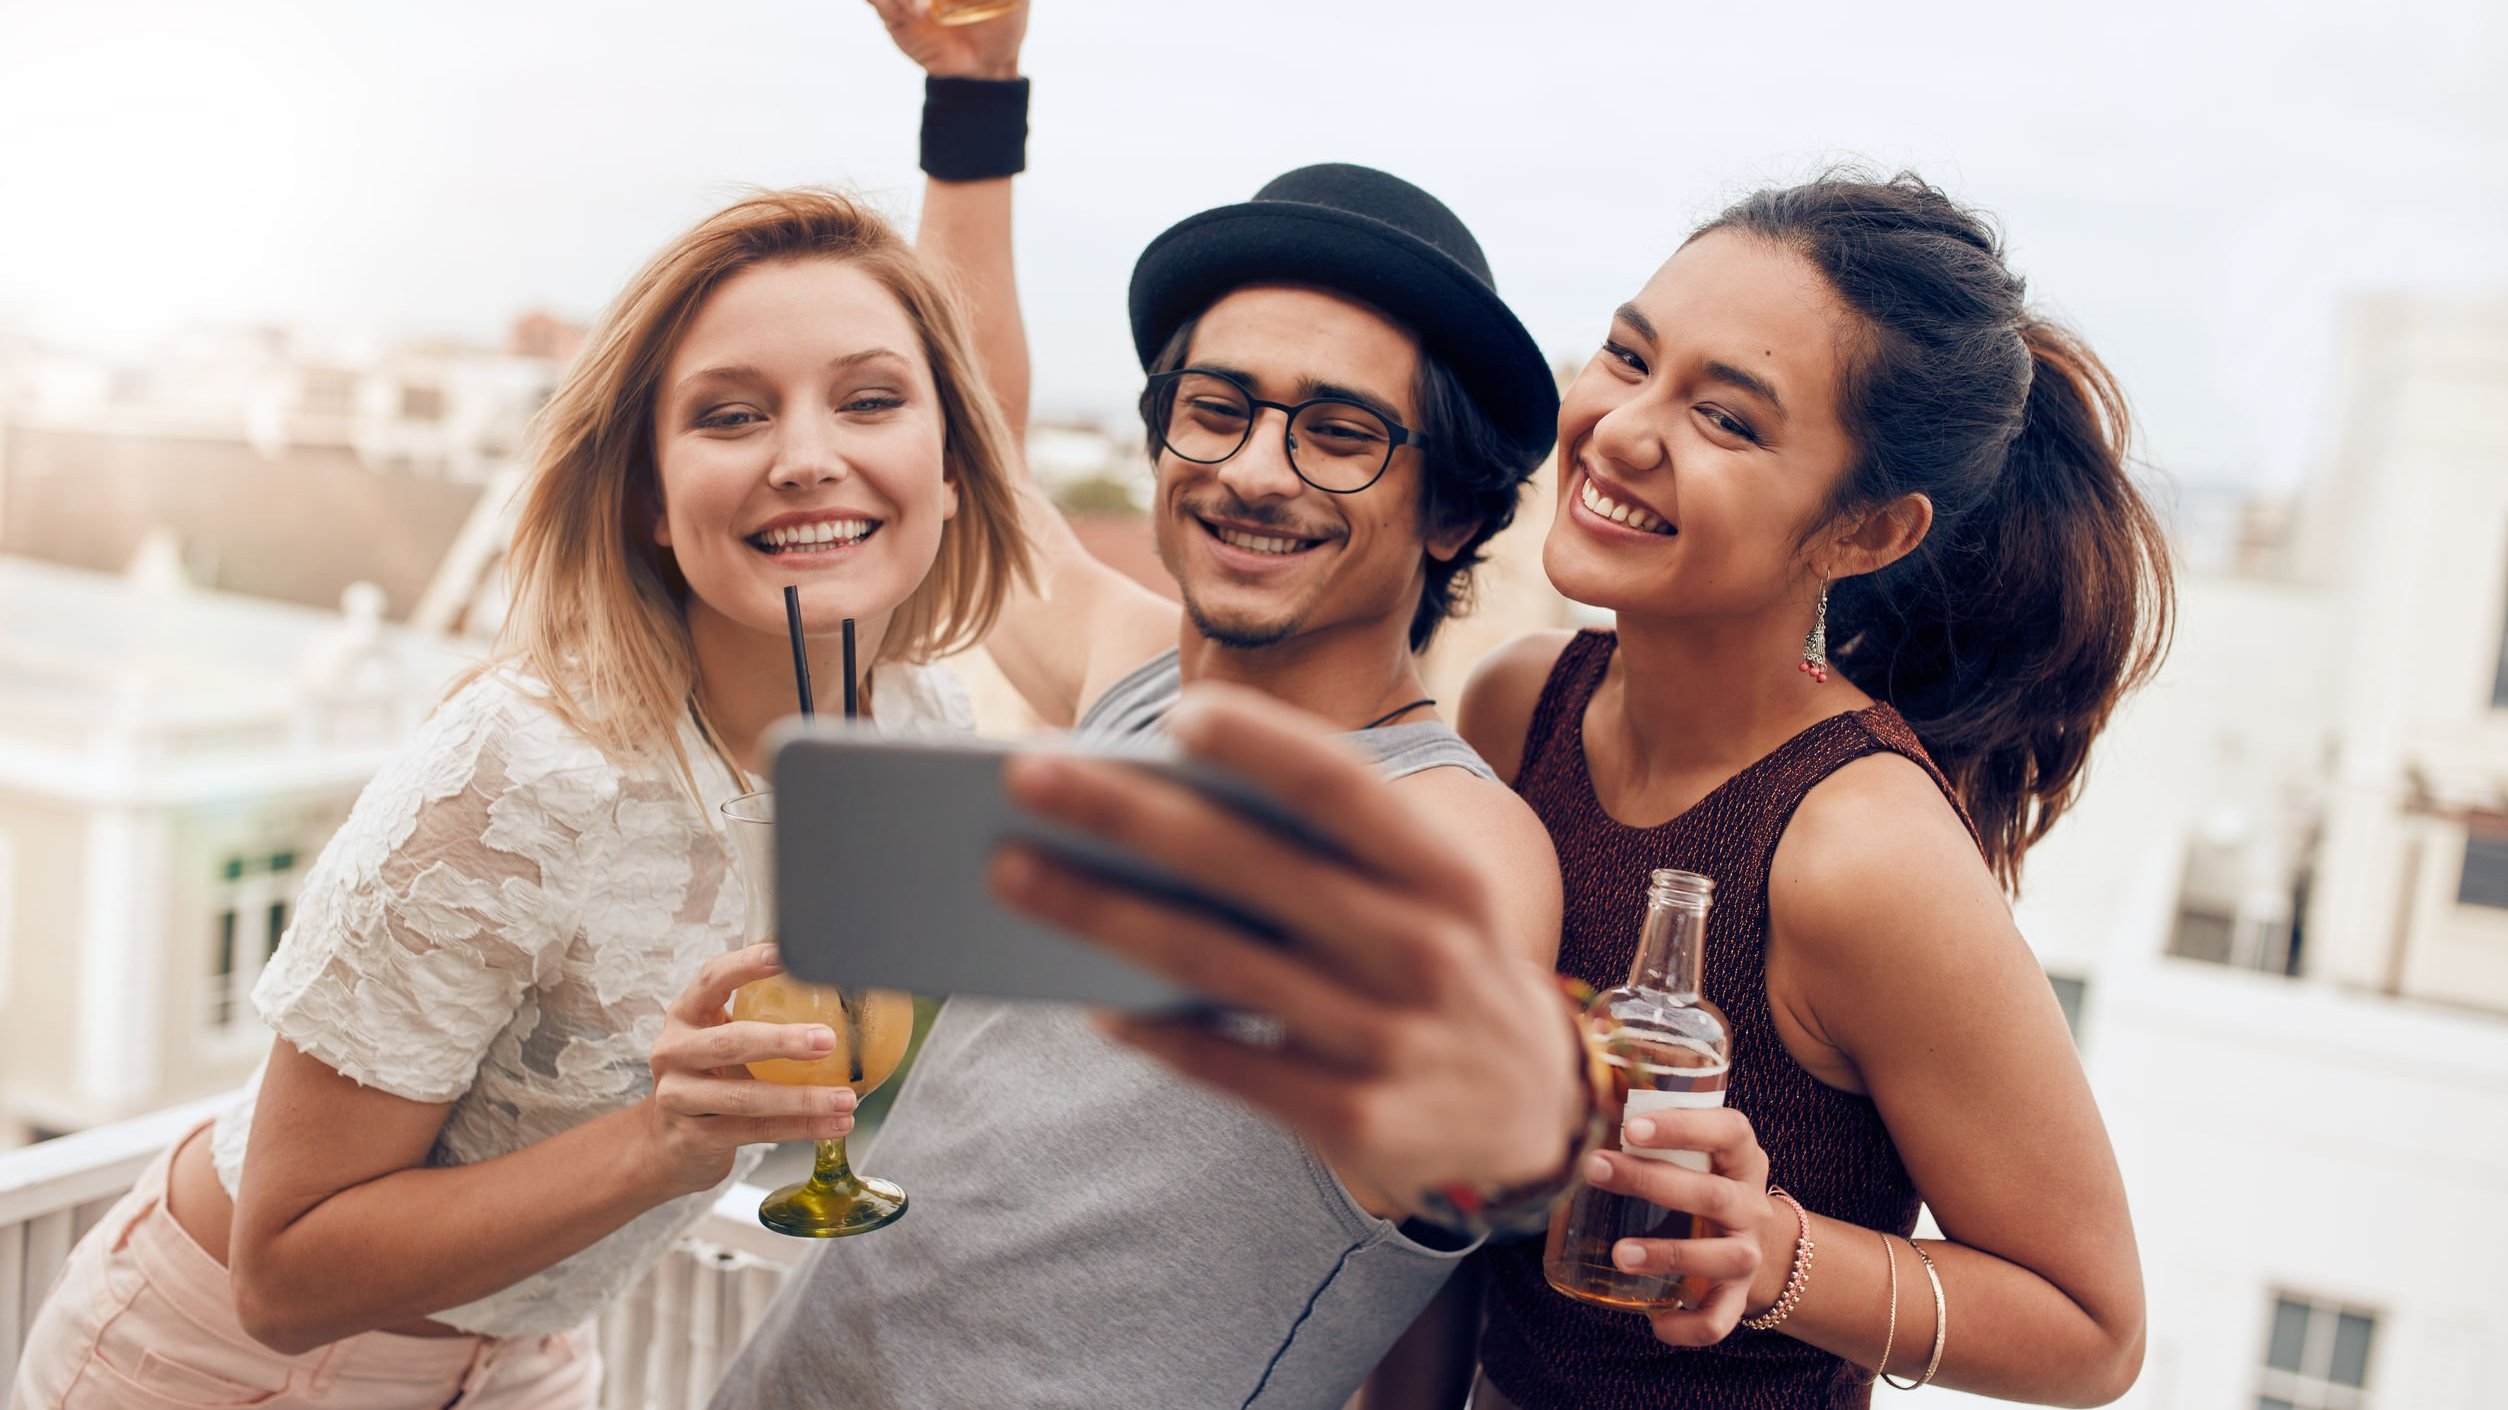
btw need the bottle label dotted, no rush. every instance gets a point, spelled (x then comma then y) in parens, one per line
(1641, 1102)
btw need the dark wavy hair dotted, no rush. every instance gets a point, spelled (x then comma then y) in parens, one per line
(2043, 592)
(1471, 475)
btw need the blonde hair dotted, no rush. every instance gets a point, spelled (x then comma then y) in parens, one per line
(597, 605)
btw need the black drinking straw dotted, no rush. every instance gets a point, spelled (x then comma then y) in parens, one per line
(801, 655)
(850, 702)
(801, 680)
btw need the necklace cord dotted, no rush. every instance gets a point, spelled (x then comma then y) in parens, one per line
(1391, 715)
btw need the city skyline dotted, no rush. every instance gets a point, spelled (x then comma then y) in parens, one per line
(2194, 191)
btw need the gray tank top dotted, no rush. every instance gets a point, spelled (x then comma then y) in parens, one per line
(1087, 1230)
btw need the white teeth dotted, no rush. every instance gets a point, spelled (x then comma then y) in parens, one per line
(1256, 543)
(1635, 516)
(818, 532)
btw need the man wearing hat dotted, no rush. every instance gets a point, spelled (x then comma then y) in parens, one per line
(1341, 411)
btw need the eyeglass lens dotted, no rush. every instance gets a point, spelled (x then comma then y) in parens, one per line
(1333, 445)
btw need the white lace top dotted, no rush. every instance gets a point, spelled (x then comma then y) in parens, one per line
(500, 924)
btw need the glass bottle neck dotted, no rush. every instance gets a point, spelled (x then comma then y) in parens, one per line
(1672, 943)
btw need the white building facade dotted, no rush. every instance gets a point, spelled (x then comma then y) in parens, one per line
(171, 761)
(2282, 914)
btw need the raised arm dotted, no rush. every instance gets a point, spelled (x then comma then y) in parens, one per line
(966, 223)
(1085, 624)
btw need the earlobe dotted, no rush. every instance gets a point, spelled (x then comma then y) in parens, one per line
(1446, 543)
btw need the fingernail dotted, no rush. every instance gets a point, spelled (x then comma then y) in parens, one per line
(834, 1127)
(1029, 774)
(1639, 1128)
(822, 1040)
(1628, 1255)
(1014, 873)
(768, 954)
(842, 1099)
(1597, 1168)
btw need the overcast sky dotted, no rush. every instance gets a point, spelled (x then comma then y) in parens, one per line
(2194, 186)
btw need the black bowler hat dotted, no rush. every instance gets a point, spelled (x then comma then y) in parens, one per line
(1379, 239)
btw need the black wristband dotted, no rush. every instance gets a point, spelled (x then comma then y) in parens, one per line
(975, 129)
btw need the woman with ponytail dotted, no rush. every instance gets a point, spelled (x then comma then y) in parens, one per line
(1880, 578)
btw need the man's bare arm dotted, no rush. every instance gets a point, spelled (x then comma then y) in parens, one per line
(1084, 624)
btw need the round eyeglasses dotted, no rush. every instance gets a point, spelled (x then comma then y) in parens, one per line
(1338, 445)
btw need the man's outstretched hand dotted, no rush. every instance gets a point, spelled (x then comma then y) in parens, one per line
(1419, 1046)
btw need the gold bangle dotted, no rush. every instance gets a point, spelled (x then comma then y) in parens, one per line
(1941, 1314)
(1941, 1322)
(1796, 1277)
(1889, 1340)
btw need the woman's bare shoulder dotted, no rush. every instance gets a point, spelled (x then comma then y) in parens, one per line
(1498, 700)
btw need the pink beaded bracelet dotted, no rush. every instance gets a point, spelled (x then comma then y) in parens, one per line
(1795, 1277)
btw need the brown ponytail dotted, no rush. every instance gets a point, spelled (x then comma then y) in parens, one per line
(2043, 592)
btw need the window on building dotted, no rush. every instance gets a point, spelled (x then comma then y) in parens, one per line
(255, 898)
(2213, 925)
(328, 391)
(2484, 880)
(2316, 1357)
(2069, 991)
(2499, 675)
(8, 907)
(2203, 933)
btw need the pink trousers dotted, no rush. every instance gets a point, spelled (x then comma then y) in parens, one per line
(143, 1319)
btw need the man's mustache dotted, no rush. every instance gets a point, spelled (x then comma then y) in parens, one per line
(1229, 507)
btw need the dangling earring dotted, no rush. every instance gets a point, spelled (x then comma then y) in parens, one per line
(1816, 644)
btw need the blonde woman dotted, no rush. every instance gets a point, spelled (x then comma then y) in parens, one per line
(484, 1112)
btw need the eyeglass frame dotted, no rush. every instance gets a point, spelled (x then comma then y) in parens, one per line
(1397, 435)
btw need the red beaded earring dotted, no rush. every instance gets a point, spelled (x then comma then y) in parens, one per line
(1816, 644)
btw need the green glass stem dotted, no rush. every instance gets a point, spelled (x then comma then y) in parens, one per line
(832, 1173)
(833, 1202)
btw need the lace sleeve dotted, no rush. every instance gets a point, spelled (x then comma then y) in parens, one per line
(449, 891)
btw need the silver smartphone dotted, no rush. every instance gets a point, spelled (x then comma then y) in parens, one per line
(882, 842)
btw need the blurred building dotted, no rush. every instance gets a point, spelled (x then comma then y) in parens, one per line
(2280, 915)
(1510, 595)
(171, 760)
(232, 577)
(282, 466)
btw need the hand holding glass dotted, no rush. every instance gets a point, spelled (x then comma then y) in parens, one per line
(872, 1027)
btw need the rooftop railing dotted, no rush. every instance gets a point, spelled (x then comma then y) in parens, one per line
(664, 1344)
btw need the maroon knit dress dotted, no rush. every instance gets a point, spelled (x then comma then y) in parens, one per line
(1826, 1147)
